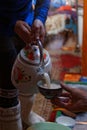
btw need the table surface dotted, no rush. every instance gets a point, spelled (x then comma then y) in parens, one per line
(81, 117)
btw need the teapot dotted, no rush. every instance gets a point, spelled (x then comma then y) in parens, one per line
(32, 64)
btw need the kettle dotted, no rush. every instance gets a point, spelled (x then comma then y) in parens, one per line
(32, 65)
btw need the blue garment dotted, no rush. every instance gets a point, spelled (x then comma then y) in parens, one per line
(13, 10)
(72, 25)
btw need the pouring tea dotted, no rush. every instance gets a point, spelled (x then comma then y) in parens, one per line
(32, 64)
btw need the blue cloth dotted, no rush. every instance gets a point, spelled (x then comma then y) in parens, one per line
(13, 10)
(72, 25)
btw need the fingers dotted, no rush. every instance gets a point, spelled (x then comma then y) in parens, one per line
(23, 31)
(64, 99)
(26, 34)
(38, 30)
(29, 34)
(42, 34)
(74, 91)
(60, 103)
(27, 26)
(66, 94)
(67, 88)
(60, 100)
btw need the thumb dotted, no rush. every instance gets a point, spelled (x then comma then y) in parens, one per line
(67, 87)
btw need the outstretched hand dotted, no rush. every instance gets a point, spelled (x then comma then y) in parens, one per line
(77, 99)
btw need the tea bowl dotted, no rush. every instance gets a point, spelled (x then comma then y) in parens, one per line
(55, 90)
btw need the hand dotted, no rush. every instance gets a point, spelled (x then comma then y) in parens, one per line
(77, 99)
(38, 30)
(23, 30)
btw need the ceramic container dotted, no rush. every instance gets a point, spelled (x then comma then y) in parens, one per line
(31, 65)
(49, 93)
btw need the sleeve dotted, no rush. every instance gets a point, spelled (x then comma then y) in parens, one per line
(41, 10)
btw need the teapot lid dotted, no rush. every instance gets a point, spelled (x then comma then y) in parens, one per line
(31, 55)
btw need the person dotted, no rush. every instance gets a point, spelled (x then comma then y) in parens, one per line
(73, 98)
(20, 22)
(57, 3)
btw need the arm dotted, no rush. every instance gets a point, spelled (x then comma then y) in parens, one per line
(27, 33)
(41, 12)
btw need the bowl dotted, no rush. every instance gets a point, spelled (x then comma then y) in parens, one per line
(55, 90)
(48, 126)
(66, 121)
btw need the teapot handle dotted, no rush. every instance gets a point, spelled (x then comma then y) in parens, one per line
(41, 51)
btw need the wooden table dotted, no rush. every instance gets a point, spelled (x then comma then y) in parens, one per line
(81, 117)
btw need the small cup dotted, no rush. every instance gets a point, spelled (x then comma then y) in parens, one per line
(51, 92)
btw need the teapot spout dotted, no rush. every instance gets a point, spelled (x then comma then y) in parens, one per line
(46, 79)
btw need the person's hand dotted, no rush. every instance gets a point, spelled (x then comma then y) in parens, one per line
(74, 99)
(23, 30)
(38, 30)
